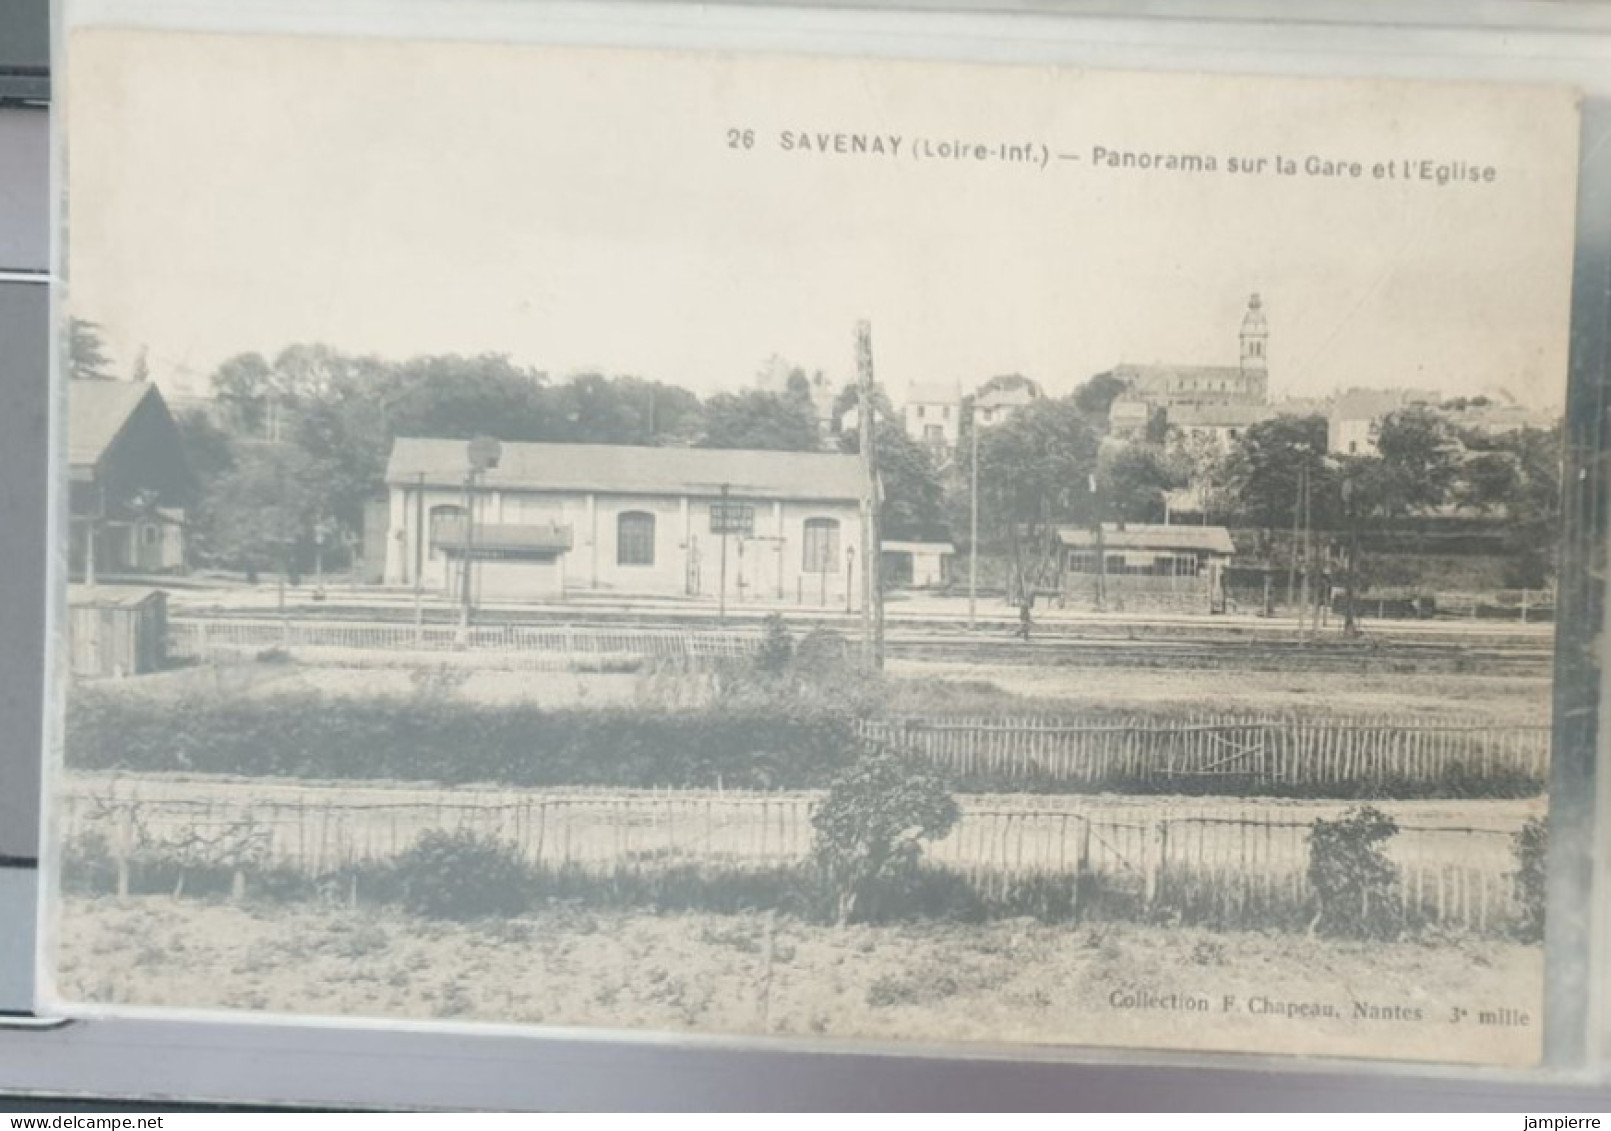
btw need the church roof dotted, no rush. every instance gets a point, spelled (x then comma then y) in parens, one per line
(1160, 378)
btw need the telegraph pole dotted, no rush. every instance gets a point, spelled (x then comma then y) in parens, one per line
(1308, 565)
(419, 560)
(872, 612)
(1297, 521)
(973, 517)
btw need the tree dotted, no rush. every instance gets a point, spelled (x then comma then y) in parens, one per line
(761, 421)
(1200, 461)
(1036, 472)
(1420, 461)
(1268, 467)
(590, 408)
(1096, 396)
(209, 456)
(871, 826)
(459, 398)
(1415, 469)
(1352, 876)
(265, 509)
(1133, 481)
(87, 358)
(913, 505)
(1517, 475)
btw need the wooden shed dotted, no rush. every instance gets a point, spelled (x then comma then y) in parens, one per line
(116, 630)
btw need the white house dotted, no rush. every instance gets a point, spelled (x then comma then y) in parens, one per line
(1224, 424)
(552, 519)
(1356, 415)
(932, 415)
(999, 402)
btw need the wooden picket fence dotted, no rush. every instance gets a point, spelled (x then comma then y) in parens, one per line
(205, 638)
(1295, 751)
(1232, 864)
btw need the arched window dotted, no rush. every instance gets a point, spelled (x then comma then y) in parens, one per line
(634, 539)
(821, 546)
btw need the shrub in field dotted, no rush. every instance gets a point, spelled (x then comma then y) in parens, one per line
(1352, 877)
(463, 875)
(870, 827)
(775, 655)
(1531, 848)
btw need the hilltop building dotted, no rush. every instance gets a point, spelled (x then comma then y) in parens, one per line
(1169, 386)
(932, 415)
(1002, 397)
(1355, 416)
(1222, 423)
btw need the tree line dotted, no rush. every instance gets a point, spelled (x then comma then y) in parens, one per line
(297, 445)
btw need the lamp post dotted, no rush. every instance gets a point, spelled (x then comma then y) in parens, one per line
(1350, 624)
(721, 583)
(850, 578)
(481, 454)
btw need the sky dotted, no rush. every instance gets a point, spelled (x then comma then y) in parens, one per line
(590, 209)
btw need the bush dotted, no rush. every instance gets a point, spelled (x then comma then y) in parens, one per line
(463, 875)
(1531, 848)
(1352, 877)
(776, 654)
(871, 825)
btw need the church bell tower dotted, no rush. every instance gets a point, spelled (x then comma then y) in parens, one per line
(1255, 338)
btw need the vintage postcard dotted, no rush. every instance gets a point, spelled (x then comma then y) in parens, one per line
(812, 548)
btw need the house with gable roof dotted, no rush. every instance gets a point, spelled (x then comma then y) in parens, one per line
(127, 481)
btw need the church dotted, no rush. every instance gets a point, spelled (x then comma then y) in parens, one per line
(1152, 387)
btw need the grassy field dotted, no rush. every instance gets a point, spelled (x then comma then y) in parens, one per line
(914, 686)
(1011, 981)
(974, 688)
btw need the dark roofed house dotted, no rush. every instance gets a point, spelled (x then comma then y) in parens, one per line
(555, 518)
(128, 480)
(1145, 567)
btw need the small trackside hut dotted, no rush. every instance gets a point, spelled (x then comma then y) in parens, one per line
(1145, 567)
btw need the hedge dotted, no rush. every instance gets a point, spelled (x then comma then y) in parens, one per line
(310, 736)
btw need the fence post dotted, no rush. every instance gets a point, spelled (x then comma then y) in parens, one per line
(125, 849)
(1082, 868)
(1154, 864)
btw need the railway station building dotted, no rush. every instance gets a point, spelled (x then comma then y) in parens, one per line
(555, 519)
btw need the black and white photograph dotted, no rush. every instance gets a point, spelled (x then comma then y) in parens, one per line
(809, 548)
